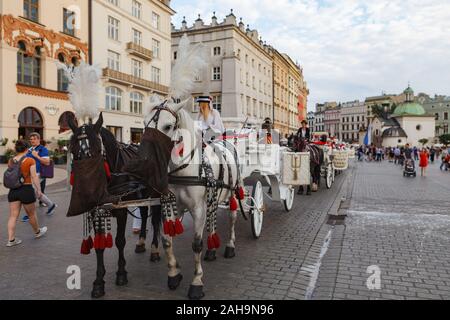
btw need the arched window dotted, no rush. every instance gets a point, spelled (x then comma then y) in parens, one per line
(63, 82)
(28, 68)
(64, 121)
(136, 102)
(30, 120)
(113, 99)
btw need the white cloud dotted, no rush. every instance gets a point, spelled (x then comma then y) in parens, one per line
(349, 49)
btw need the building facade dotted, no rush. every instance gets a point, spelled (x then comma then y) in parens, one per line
(311, 120)
(331, 119)
(353, 119)
(131, 41)
(239, 77)
(439, 106)
(281, 99)
(319, 125)
(34, 35)
(302, 97)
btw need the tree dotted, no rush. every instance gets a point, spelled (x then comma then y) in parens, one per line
(445, 139)
(423, 141)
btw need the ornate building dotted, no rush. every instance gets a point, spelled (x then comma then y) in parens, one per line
(34, 35)
(239, 77)
(353, 120)
(131, 41)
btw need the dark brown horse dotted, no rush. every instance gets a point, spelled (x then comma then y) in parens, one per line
(316, 161)
(92, 188)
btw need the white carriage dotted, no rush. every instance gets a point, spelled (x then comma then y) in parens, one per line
(270, 165)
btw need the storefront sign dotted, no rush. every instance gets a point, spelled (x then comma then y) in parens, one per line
(52, 109)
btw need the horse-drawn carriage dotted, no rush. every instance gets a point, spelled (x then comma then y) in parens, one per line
(265, 163)
(174, 171)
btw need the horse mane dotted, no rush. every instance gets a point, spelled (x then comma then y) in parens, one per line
(186, 122)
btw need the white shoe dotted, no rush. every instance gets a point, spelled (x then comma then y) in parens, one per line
(41, 233)
(16, 242)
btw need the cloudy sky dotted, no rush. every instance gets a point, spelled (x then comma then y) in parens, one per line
(349, 49)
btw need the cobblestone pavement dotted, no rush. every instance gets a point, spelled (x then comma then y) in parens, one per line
(272, 267)
(396, 227)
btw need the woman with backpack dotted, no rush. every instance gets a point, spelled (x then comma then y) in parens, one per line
(20, 178)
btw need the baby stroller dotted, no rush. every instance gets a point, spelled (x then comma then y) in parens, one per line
(410, 168)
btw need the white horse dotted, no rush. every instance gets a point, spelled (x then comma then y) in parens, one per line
(186, 161)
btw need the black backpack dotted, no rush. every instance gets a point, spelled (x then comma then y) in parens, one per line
(13, 178)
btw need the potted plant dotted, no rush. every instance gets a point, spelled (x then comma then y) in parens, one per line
(3, 143)
(9, 154)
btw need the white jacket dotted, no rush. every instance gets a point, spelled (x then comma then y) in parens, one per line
(214, 122)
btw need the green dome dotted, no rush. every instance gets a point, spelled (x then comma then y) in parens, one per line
(409, 109)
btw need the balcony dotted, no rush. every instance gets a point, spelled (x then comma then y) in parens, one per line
(129, 80)
(139, 51)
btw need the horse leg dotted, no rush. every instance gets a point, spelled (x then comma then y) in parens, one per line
(300, 190)
(140, 245)
(230, 249)
(174, 274)
(196, 287)
(156, 223)
(98, 289)
(121, 275)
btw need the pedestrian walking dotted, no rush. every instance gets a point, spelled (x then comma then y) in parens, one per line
(444, 154)
(22, 194)
(40, 155)
(416, 153)
(423, 164)
(432, 154)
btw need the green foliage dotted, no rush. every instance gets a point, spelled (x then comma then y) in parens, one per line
(9, 154)
(63, 143)
(423, 141)
(4, 142)
(445, 139)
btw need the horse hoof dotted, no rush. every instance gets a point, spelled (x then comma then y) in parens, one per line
(229, 253)
(308, 193)
(174, 282)
(299, 192)
(195, 292)
(154, 257)
(140, 248)
(210, 255)
(121, 279)
(98, 291)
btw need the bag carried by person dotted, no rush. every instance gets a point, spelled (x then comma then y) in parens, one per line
(48, 171)
(13, 178)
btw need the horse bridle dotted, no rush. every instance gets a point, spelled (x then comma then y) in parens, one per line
(83, 141)
(163, 107)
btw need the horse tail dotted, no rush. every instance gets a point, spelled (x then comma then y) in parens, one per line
(157, 220)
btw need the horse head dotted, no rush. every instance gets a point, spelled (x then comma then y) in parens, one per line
(85, 142)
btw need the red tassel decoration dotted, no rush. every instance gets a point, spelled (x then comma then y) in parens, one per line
(178, 227)
(233, 204)
(240, 193)
(172, 232)
(166, 227)
(90, 243)
(216, 240)
(107, 170)
(85, 247)
(109, 241)
(211, 244)
(100, 241)
(72, 178)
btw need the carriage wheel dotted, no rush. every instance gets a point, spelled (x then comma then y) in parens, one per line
(329, 176)
(289, 201)
(257, 215)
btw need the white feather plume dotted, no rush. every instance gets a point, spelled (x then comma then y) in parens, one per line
(84, 89)
(191, 61)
